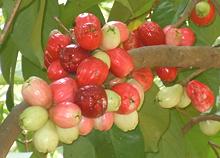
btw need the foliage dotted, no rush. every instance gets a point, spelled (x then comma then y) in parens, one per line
(159, 131)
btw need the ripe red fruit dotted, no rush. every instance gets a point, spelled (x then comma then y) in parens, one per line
(55, 43)
(167, 74)
(63, 89)
(133, 41)
(201, 95)
(65, 114)
(92, 100)
(144, 76)
(151, 33)
(88, 36)
(55, 71)
(36, 92)
(84, 18)
(91, 71)
(188, 37)
(121, 62)
(71, 56)
(104, 122)
(85, 125)
(203, 14)
(130, 98)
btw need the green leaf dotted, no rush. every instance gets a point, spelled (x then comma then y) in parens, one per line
(8, 60)
(29, 69)
(168, 11)
(1, 111)
(75, 7)
(111, 144)
(25, 3)
(23, 33)
(154, 120)
(173, 144)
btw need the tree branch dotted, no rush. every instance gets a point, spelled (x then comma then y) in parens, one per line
(195, 120)
(9, 22)
(214, 148)
(217, 6)
(186, 13)
(9, 129)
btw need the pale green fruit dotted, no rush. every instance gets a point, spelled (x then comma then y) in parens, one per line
(114, 100)
(126, 122)
(102, 56)
(68, 135)
(110, 37)
(46, 138)
(184, 100)
(140, 90)
(210, 127)
(169, 97)
(33, 118)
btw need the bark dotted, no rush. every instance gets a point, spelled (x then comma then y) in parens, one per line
(200, 57)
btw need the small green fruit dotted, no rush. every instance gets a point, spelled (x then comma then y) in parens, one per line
(46, 138)
(184, 100)
(102, 56)
(114, 100)
(209, 127)
(68, 135)
(169, 97)
(33, 118)
(126, 122)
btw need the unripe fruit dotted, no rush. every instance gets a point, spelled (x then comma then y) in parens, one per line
(130, 98)
(111, 37)
(169, 97)
(114, 100)
(36, 92)
(46, 138)
(126, 122)
(92, 100)
(103, 57)
(85, 125)
(123, 29)
(104, 122)
(209, 127)
(63, 89)
(65, 114)
(201, 95)
(33, 118)
(173, 37)
(67, 135)
(55, 71)
(140, 90)
(184, 100)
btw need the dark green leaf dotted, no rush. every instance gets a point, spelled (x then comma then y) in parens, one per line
(73, 8)
(154, 120)
(173, 144)
(29, 69)
(111, 144)
(25, 3)
(7, 6)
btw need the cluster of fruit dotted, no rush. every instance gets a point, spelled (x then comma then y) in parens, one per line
(76, 101)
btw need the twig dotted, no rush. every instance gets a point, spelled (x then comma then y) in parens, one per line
(186, 13)
(195, 120)
(217, 6)
(61, 24)
(193, 75)
(9, 22)
(214, 146)
(183, 112)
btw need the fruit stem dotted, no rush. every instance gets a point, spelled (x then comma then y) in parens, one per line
(195, 120)
(214, 146)
(192, 75)
(217, 6)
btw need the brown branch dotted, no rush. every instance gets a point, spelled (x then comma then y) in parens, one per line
(214, 146)
(183, 57)
(186, 13)
(9, 22)
(217, 6)
(9, 129)
(193, 75)
(195, 120)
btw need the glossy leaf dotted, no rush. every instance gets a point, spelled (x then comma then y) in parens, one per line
(154, 120)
